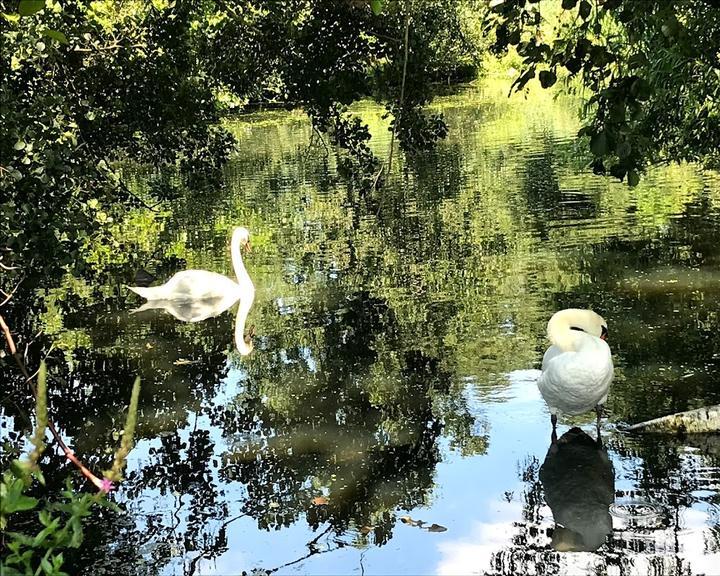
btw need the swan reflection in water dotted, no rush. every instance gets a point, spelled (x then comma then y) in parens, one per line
(579, 484)
(197, 310)
(195, 295)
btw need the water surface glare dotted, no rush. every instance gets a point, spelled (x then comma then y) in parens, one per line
(387, 420)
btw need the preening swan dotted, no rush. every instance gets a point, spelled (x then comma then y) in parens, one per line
(578, 368)
(195, 295)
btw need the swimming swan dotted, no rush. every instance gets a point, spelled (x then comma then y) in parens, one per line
(199, 285)
(195, 295)
(578, 368)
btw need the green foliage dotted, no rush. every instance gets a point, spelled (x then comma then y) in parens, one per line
(83, 85)
(60, 521)
(650, 67)
(335, 53)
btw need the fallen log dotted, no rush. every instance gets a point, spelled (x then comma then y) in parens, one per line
(705, 419)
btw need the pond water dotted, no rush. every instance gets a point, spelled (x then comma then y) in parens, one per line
(387, 420)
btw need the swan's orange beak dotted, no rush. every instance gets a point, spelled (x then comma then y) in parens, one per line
(603, 333)
(247, 248)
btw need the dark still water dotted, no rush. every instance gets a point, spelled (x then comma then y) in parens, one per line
(387, 420)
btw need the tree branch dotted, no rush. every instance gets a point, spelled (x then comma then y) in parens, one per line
(402, 92)
(69, 454)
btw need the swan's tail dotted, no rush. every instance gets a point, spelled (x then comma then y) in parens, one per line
(145, 292)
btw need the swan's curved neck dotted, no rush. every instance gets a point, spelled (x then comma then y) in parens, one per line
(246, 302)
(560, 330)
(238, 264)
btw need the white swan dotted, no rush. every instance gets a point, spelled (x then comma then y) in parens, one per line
(578, 368)
(197, 285)
(195, 295)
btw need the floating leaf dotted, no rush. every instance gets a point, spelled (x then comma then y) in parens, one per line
(411, 521)
(376, 6)
(29, 7)
(320, 501)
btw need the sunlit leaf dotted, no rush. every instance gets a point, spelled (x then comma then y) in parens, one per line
(55, 35)
(320, 501)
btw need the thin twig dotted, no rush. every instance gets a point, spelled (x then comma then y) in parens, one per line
(402, 92)
(4, 267)
(327, 151)
(9, 296)
(28, 378)
(377, 176)
(313, 550)
(204, 553)
(114, 46)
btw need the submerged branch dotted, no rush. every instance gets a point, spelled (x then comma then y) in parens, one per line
(705, 419)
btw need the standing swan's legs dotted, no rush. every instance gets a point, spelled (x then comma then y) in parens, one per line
(553, 436)
(598, 411)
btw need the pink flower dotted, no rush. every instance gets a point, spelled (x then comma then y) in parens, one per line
(106, 485)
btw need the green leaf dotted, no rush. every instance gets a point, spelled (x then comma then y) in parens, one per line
(29, 7)
(547, 78)
(633, 178)
(624, 150)
(55, 35)
(376, 6)
(24, 503)
(598, 144)
(21, 538)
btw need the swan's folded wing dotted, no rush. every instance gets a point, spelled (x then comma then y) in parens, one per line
(550, 353)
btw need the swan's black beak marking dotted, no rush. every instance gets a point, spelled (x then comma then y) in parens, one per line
(603, 332)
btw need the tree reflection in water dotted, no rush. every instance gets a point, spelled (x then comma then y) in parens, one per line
(374, 328)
